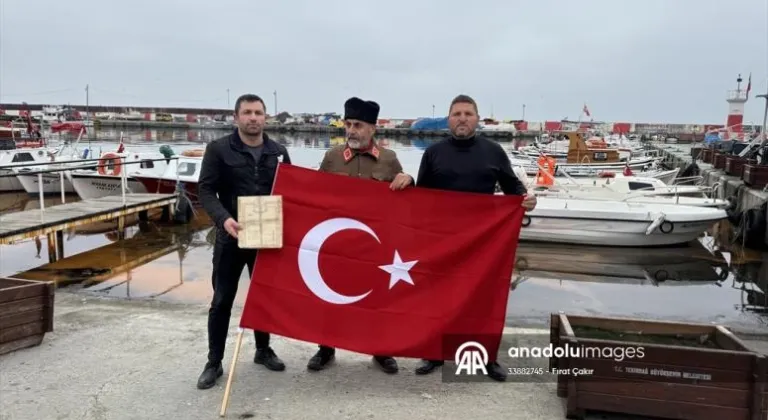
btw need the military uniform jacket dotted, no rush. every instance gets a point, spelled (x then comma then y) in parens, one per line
(374, 163)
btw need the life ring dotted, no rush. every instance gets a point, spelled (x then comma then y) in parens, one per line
(116, 161)
(526, 221)
(193, 153)
(669, 229)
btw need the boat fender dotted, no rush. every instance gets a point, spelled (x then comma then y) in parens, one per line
(526, 221)
(655, 224)
(724, 272)
(666, 227)
(661, 275)
(521, 264)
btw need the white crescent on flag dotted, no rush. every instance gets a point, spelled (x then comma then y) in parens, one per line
(309, 253)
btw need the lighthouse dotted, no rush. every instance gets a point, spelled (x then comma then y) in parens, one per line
(734, 130)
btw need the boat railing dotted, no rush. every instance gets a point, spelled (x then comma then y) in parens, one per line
(713, 192)
(698, 179)
(67, 171)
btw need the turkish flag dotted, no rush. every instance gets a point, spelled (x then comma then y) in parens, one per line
(412, 273)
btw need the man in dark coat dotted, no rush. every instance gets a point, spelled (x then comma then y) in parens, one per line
(240, 164)
(469, 162)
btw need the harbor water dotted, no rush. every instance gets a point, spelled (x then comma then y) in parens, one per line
(710, 280)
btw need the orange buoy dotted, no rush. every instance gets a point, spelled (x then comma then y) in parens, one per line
(107, 159)
(546, 173)
(193, 153)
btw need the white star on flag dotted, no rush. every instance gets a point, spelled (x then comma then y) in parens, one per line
(398, 270)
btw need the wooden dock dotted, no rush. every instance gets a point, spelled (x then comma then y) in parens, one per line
(54, 220)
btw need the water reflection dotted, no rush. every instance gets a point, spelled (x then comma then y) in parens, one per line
(712, 280)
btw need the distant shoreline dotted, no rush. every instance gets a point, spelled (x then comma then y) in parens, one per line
(306, 128)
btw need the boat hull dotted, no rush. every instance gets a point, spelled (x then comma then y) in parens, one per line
(9, 183)
(52, 183)
(95, 186)
(165, 186)
(623, 233)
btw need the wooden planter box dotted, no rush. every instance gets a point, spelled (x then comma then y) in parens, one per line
(718, 160)
(677, 370)
(755, 175)
(734, 165)
(26, 313)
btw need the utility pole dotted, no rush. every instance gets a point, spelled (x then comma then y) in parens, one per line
(228, 106)
(433, 111)
(523, 112)
(275, 93)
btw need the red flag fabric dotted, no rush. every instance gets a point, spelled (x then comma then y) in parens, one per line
(410, 273)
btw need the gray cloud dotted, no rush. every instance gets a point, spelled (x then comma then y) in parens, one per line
(640, 61)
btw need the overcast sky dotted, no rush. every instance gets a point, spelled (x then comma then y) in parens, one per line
(628, 60)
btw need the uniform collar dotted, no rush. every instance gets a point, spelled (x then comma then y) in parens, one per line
(372, 150)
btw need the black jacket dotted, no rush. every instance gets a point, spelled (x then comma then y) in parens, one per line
(471, 165)
(229, 171)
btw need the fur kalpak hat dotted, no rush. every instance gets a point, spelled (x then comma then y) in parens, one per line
(358, 109)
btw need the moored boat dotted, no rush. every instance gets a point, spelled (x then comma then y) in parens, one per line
(616, 223)
(183, 171)
(107, 179)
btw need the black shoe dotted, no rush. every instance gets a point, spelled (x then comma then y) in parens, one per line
(321, 359)
(496, 372)
(211, 373)
(386, 363)
(269, 359)
(427, 366)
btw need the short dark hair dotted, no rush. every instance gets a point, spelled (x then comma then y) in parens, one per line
(463, 99)
(248, 97)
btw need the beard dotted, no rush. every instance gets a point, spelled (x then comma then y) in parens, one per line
(355, 143)
(252, 130)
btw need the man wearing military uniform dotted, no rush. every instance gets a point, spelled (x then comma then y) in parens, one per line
(361, 157)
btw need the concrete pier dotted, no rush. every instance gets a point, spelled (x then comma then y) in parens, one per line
(679, 156)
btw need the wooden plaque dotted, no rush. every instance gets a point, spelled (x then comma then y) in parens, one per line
(261, 221)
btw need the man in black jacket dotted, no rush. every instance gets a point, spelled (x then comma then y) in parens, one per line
(469, 162)
(240, 164)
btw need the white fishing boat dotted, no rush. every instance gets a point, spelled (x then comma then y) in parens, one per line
(668, 177)
(107, 178)
(583, 160)
(182, 172)
(53, 182)
(636, 190)
(616, 223)
(17, 158)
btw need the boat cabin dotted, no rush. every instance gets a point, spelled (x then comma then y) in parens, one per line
(580, 153)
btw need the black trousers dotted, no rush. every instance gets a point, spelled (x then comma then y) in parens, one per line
(228, 263)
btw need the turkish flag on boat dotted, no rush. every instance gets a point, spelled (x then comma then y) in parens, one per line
(412, 273)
